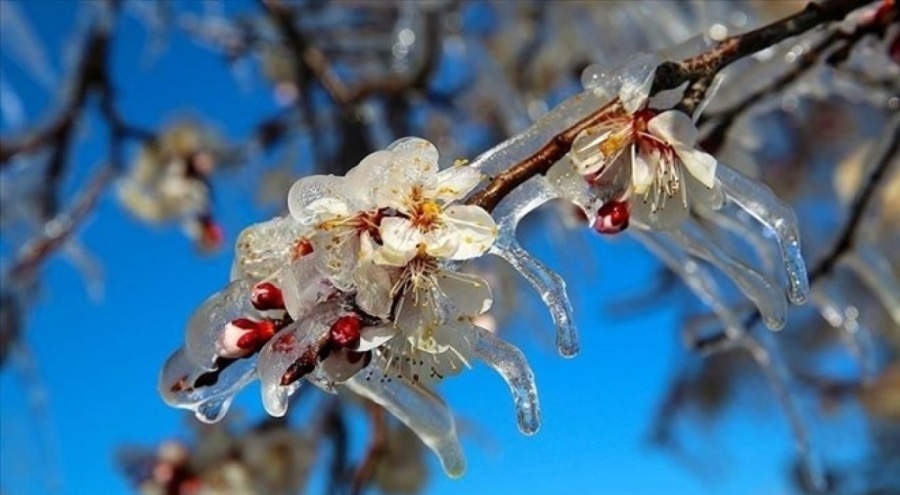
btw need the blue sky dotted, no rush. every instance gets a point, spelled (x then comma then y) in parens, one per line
(98, 360)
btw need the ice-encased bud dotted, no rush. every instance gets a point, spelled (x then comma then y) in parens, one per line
(204, 329)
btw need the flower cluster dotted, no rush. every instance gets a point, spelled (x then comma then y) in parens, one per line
(169, 181)
(640, 155)
(360, 286)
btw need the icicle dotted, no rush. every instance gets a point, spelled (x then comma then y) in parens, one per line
(765, 353)
(758, 200)
(418, 408)
(737, 225)
(209, 401)
(698, 279)
(833, 307)
(549, 285)
(876, 272)
(552, 289)
(206, 324)
(510, 363)
(771, 304)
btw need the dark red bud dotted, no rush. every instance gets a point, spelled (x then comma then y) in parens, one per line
(345, 331)
(266, 297)
(612, 217)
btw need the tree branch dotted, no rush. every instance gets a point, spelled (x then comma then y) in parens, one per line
(669, 75)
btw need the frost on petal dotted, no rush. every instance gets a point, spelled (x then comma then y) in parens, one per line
(701, 165)
(204, 329)
(761, 203)
(208, 394)
(510, 363)
(419, 409)
(400, 238)
(309, 191)
(292, 351)
(674, 127)
(473, 226)
(263, 248)
(302, 286)
(470, 294)
(455, 183)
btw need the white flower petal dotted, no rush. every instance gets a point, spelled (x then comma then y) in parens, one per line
(416, 146)
(454, 183)
(442, 242)
(637, 79)
(372, 337)
(470, 294)
(263, 248)
(642, 171)
(701, 165)
(360, 181)
(373, 289)
(400, 240)
(474, 227)
(674, 127)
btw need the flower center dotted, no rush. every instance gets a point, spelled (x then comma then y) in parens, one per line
(426, 215)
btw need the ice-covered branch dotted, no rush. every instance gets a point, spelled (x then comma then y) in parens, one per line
(668, 75)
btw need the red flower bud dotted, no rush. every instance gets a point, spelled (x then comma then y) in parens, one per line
(345, 332)
(266, 296)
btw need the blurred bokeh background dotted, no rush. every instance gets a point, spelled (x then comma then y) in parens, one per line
(215, 87)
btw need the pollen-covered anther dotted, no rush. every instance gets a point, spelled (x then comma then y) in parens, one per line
(613, 217)
(266, 297)
(345, 332)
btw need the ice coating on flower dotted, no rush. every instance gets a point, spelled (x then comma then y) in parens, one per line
(289, 356)
(265, 247)
(209, 394)
(303, 286)
(206, 328)
(419, 409)
(428, 221)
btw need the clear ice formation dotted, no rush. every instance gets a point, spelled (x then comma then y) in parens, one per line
(510, 363)
(760, 202)
(211, 401)
(765, 352)
(547, 283)
(769, 301)
(416, 407)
